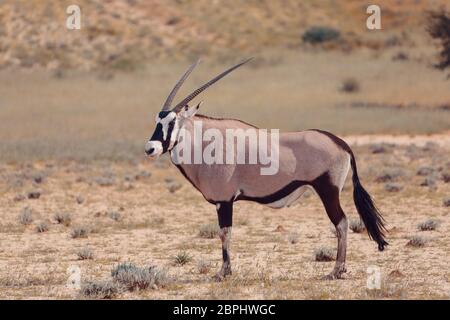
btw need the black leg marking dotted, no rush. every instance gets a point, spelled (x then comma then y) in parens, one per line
(225, 215)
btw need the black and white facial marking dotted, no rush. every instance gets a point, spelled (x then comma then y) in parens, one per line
(168, 124)
(165, 134)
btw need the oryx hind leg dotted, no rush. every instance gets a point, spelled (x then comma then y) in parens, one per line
(225, 215)
(329, 194)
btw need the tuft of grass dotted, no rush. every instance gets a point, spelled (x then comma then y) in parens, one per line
(157, 221)
(116, 216)
(324, 254)
(320, 34)
(26, 216)
(438, 26)
(350, 85)
(63, 218)
(293, 237)
(203, 266)
(100, 289)
(173, 185)
(390, 174)
(357, 226)
(42, 227)
(428, 225)
(182, 258)
(85, 254)
(393, 187)
(79, 232)
(209, 231)
(446, 202)
(133, 277)
(417, 241)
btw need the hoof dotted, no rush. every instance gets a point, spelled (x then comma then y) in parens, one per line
(335, 274)
(221, 275)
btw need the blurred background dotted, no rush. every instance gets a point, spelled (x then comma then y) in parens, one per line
(93, 93)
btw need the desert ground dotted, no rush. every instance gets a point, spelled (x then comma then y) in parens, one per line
(145, 213)
(85, 215)
(79, 154)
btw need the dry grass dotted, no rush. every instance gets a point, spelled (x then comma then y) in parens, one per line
(85, 254)
(63, 218)
(209, 231)
(41, 227)
(101, 112)
(417, 241)
(79, 232)
(324, 254)
(428, 225)
(265, 263)
(26, 216)
(182, 258)
(357, 226)
(100, 289)
(74, 143)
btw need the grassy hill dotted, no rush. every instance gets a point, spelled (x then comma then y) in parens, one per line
(122, 34)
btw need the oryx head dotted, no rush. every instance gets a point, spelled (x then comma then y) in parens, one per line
(170, 119)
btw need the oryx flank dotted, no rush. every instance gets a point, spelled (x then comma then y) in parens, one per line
(308, 159)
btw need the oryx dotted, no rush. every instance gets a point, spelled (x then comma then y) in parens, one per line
(312, 158)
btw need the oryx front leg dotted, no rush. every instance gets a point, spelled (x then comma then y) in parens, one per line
(225, 215)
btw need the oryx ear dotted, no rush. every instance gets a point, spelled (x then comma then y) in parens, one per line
(189, 112)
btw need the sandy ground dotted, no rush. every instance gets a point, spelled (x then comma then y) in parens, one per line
(154, 225)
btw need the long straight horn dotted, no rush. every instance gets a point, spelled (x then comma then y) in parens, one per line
(172, 94)
(206, 85)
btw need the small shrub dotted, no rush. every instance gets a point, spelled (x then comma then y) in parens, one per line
(203, 266)
(157, 221)
(63, 218)
(428, 182)
(400, 56)
(173, 185)
(182, 258)
(26, 216)
(19, 197)
(34, 194)
(320, 34)
(105, 181)
(439, 28)
(209, 231)
(85, 254)
(446, 202)
(417, 241)
(42, 227)
(293, 237)
(390, 175)
(445, 176)
(79, 232)
(428, 225)
(350, 85)
(100, 289)
(133, 277)
(357, 226)
(393, 187)
(378, 148)
(114, 215)
(79, 199)
(425, 171)
(324, 254)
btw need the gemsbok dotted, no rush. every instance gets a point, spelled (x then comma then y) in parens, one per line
(307, 159)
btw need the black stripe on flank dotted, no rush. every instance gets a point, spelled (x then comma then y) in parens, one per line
(280, 194)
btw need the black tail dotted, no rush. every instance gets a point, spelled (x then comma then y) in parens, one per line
(367, 210)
